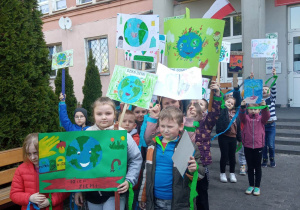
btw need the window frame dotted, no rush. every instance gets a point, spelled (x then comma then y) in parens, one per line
(42, 4)
(54, 5)
(79, 2)
(289, 19)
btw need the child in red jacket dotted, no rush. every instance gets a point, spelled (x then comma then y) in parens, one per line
(254, 141)
(25, 184)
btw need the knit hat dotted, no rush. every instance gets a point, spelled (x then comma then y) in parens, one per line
(84, 112)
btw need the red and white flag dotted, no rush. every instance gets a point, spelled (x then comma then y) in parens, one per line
(219, 10)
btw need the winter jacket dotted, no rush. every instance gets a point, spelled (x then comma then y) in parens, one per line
(253, 135)
(26, 182)
(136, 137)
(66, 122)
(181, 190)
(134, 163)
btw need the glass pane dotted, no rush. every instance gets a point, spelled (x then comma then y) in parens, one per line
(100, 52)
(44, 8)
(42, 1)
(227, 27)
(295, 17)
(85, 1)
(237, 25)
(61, 4)
(296, 42)
(235, 47)
(53, 73)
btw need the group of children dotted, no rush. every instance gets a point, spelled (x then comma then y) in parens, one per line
(152, 138)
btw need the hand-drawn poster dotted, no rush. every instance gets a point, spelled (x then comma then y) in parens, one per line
(236, 64)
(273, 36)
(178, 85)
(82, 161)
(62, 59)
(148, 56)
(131, 86)
(253, 89)
(263, 48)
(137, 32)
(225, 52)
(194, 43)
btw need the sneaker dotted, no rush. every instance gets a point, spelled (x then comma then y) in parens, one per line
(272, 163)
(256, 191)
(232, 178)
(264, 163)
(223, 177)
(243, 170)
(249, 190)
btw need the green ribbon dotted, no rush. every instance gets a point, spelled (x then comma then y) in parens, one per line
(273, 83)
(258, 107)
(130, 196)
(239, 147)
(50, 201)
(193, 185)
(196, 124)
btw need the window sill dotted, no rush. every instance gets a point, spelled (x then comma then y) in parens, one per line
(59, 10)
(84, 4)
(104, 74)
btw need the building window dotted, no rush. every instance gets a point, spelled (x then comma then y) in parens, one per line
(83, 1)
(294, 17)
(99, 49)
(58, 5)
(43, 6)
(52, 50)
(233, 26)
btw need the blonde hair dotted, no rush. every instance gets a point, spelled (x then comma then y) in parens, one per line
(104, 101)
(32, 138)
(171, 113)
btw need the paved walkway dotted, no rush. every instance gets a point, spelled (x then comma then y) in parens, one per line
(280, 187)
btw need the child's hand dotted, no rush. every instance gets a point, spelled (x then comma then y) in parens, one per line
(263, 102)
(142, 205)
(192, 165)
(122, 188)
(37, 198)
(79, 199)
(61, 97)
(44, 204)
(243, 103)
(154, 112)
(215, 86)
(251, 75)
(274, 71)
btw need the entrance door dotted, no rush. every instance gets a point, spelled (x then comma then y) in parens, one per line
(294, 69)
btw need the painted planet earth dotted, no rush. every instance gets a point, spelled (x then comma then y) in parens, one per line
(84, 153)
(261, 47)
(189, 45)
(130, 89)
(61, 59)
(135, 32)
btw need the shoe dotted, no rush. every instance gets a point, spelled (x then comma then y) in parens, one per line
(223, 177)
(243, 170)
(249, 190)
(256, 191)
(272, 163)
(264, 163)
(232, 178)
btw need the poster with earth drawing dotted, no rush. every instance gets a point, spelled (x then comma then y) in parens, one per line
(131, 86)
(263, 48)
(194, 43)
(62, 59)
(137, 32)
(82, 161)
(225, 52)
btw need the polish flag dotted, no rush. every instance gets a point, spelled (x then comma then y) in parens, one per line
(219, 10)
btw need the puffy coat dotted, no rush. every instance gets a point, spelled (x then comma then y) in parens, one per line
(26, 182)
(253, 135)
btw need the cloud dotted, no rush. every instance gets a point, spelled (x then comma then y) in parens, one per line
(170, 37)
(209, 31)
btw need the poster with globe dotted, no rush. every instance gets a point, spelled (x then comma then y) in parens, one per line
(82, 160)
(131, 86)
(62, 59)
(263, 48)
(137, 32)
(194, 43)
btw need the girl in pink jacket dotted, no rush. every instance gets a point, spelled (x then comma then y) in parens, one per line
(253, 138)
(25, 184)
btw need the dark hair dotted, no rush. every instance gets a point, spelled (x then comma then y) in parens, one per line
(171, 113)
(160, 102)
(206, 103)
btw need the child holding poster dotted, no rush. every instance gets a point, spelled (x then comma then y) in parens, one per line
(253, 141)
(24, 187)
(104, 112)
(163, 187)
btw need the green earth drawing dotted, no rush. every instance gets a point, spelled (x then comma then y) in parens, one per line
(84, 153)
(61, 59)
(130, 89)
(135, 32)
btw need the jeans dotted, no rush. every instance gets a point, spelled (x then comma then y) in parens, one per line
(253, 158)
(270, 130)
(227, 148)
(108, 205)
(160, 204)
(242, 159)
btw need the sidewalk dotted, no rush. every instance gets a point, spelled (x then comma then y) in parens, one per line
(280, 186)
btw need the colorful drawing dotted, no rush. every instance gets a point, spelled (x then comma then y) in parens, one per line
(273, 36)
(148, 56)
(205, 89)
(236, 64)
(81, 161)
(112, 164)
(253, 91)
(117, 144)
(178, 85)
(138, 32)
(263, 48)
(132, 86)
(62, 59)
(194, 43)
(225, 52)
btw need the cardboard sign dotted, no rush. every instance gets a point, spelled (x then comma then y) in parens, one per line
(62, 59)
